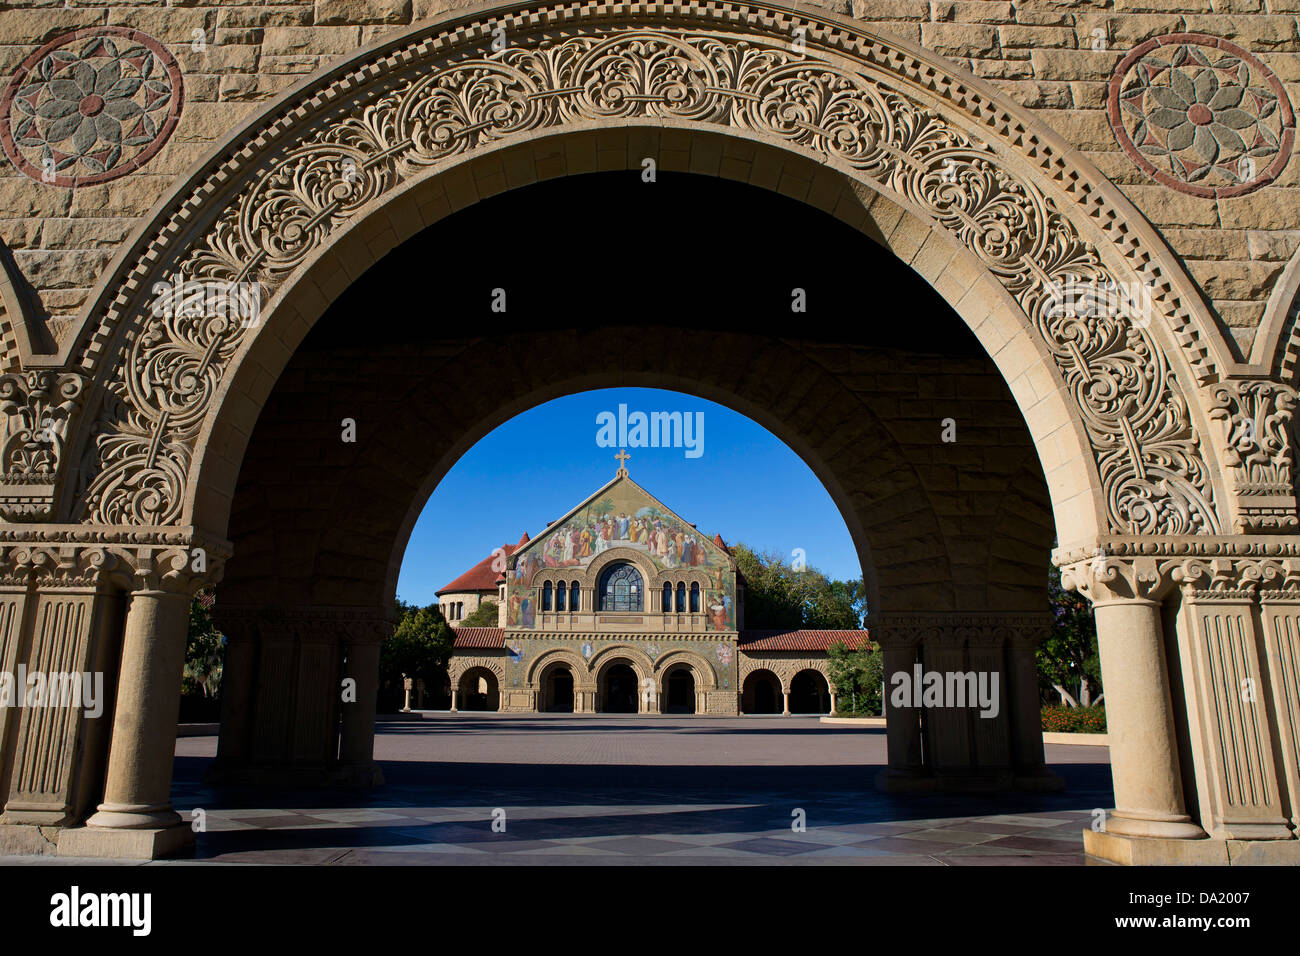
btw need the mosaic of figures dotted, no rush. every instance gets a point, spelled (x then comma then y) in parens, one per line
(619, 518)
(623, 516)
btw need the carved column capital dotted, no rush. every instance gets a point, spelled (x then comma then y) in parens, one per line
(1108, 579)
(1254, 424)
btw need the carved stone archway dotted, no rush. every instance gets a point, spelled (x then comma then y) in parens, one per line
(1022, 209)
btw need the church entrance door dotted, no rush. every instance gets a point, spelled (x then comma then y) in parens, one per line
(618, 695)
(559, 692)
(680, 690)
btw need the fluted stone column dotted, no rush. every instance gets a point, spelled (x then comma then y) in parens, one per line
(902, 724)
(238, 681)
(357, 741)
(1280, 617)
(60, 614)
(1028, 759)
(948, 746)
(1229, 686)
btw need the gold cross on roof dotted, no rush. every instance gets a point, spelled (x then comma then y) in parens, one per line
(622, 457)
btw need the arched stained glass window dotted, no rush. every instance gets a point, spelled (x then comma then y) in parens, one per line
(561, 595)
(546, 596)
(620, 588)
(681, 596)
(695, 597)
(575, 601)
(668, 598)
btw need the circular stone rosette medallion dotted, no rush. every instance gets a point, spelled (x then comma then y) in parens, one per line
(1201, 115)
(90, 106)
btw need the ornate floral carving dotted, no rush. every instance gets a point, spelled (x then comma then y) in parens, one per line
(90, 106)
(441, 107)
(1201, 115)
(37, 407)
(1255, 417)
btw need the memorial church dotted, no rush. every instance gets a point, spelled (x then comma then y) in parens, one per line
(621, 606)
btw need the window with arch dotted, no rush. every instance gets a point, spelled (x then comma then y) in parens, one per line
(668, 598)
(561, 595)
(546, 596)
(695, 597)
(575, 600)
(681, 596)
(620, 588)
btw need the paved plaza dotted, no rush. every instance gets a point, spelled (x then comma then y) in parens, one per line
(637, 790)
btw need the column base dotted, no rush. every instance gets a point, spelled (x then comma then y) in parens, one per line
(36, 815)
(123, 816)
(1180, 827)
(1157, 851)
(105, 843)
(25, 839)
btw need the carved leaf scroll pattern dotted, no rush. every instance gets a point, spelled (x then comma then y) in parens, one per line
(1139, 425)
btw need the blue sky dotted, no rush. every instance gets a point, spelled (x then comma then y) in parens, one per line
(747, 486)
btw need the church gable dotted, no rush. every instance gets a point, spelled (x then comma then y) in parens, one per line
(621, 514)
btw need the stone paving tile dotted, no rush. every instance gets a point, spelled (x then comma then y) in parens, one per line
(639, 846)
(633, 791)
(949, 835)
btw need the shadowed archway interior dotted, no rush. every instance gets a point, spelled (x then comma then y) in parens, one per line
(810, 329)
(414, 354)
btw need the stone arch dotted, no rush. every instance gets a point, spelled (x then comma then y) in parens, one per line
(706, 678)
(640, 661)
(458, 667)
(146, 463)
(583, 676)
(819, 670)
(621, 555)
(492, 698)
(748, 689)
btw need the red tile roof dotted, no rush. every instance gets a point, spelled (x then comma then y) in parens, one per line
(479, 637)
(481, 577)
(799, 640)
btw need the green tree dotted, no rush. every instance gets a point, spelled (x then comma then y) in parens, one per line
(204, 650)
(485, 615)
(1067, 658)
(419, 648)
(779, 596)
(858, 679)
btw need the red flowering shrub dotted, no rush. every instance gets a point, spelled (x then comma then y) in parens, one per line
(1074, 720)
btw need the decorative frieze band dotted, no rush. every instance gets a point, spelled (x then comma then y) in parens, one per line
(181, 567)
